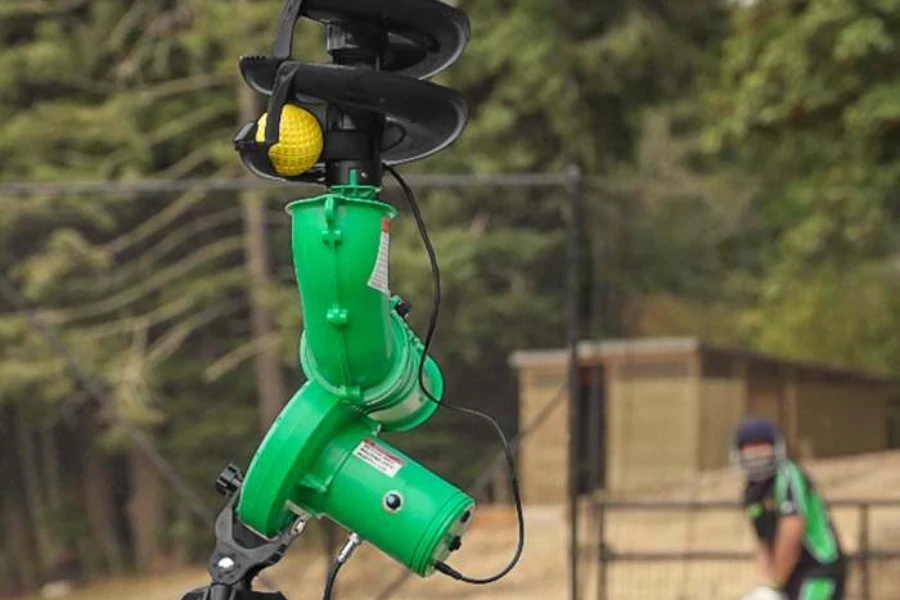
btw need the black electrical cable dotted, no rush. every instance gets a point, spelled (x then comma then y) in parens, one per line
(332, 578)
(432, 326)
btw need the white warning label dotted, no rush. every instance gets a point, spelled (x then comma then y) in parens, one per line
(374, 455)
(379, 277)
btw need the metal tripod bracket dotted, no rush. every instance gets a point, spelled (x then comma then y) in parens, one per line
(210, 593)
(240, 554)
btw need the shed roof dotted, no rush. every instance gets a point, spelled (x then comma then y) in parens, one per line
(643, 348)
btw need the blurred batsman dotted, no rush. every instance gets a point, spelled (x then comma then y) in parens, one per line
(799, 553)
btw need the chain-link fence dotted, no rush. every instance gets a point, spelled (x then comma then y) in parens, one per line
(694, 550)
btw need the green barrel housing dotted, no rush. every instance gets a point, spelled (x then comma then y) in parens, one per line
(322, 456)
(354, 344)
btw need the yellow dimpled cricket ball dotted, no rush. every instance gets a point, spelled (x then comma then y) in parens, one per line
(299, 144)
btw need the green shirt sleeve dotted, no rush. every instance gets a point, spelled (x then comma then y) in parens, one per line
(791, 493)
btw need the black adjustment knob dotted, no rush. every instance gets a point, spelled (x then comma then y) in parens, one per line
(229, 480)
(393, 501)
(403, 308)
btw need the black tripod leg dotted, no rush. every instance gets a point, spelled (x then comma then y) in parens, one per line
(217, 592)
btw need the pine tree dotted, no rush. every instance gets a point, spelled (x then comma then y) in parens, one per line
(806, 104)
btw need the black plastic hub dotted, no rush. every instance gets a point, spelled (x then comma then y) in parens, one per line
(371, 102)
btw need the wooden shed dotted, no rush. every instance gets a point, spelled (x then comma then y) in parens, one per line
(661, 411)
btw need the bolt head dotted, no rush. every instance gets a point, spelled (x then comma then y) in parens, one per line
(393, 501)
(226, 563)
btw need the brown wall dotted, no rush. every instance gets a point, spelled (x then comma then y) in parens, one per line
(766, 390)
(543, 458)
(838, 418)
(652, 428)
(721, 409)
(723, 401)
(671, 417)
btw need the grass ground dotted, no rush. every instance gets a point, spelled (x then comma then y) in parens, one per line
(542, 573)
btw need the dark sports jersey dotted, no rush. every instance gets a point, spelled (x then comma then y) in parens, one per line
(791, 492)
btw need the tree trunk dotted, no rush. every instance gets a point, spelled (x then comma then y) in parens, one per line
(270, 384)
(181, 541)
(20, 544)
(101, 514)
(52, 474)
(146, 511)
(35, 504)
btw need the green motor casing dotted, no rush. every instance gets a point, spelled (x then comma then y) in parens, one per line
(322, 457)
(369, 478)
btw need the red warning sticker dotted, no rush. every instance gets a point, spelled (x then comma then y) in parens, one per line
(379, 279)
(378, 457)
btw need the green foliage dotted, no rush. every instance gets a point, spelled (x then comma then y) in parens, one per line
(549, 84)
(835, 315)
(807, 104)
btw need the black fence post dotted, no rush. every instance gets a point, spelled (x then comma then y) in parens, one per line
(600, 519)
(596, 429)
(575, 260)
(863, 552)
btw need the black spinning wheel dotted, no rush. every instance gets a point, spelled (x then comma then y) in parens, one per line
(372, 101)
